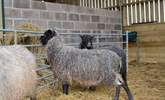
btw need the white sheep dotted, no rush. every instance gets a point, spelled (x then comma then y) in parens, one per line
(17, 73)
(87, 67)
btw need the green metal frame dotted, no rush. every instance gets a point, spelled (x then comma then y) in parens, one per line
(3, 20)
(3, 15)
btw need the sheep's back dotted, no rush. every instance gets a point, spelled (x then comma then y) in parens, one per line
(88, 67)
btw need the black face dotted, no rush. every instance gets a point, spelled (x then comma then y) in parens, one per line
(47, 36)
(87, 42)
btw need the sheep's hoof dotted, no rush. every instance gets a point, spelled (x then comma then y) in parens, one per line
(92, 88)
(65, 88)
(33, 98)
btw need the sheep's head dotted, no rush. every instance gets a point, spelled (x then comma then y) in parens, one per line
(48, 34)
(86, 42)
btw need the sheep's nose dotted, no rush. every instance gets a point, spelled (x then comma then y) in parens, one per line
(88, 45)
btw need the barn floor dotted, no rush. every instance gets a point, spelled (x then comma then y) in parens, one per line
(147, 82)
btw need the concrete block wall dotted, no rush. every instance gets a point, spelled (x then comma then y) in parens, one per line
(65, 18)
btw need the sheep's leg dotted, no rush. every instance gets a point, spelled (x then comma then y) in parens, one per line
(126, 88)
(33, 98)
(65, 88)
(117, 94)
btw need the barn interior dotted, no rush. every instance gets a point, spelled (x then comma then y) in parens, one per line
(146, 58)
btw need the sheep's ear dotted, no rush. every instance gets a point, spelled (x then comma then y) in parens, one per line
(92, 37)
(49, 31)
(54, 33)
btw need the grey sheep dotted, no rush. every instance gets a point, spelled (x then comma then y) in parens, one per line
(87, 67)
(17, 73)
(87, 43)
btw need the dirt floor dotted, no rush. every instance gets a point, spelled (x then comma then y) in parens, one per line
(146, 81)
(149, 83)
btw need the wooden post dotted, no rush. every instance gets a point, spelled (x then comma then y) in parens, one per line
(140, 11)
(159, 15)
(164, 9)
(149, 10)
(136, 12)
(128, 22)
(154, 14)
(145, 15)
(132, 18)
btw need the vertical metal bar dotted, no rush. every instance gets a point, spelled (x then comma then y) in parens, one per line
(112, 4)
(101, 3)
(89, 3)
(127, 57)
(3, 22)
(149, 10)
(108, 3)
(154, 12)
(3, 15)
(140, 11)
(132, 17)
(98, 3)
(83, 3)
(115, 4)
(145, 15)
(159, 15)
(164, 9)
(95, 4)
(80, 2)
(138, 50)
(92, 5)
(122, 15)
(128, 22)
(86, 3)
(103, 6)
(105, 3)
(136, 12)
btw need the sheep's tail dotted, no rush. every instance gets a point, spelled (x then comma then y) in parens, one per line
(120, 52)
(119, 79)
(123, 68)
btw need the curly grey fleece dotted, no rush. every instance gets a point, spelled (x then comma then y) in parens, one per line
(17, 73)
(87, 67)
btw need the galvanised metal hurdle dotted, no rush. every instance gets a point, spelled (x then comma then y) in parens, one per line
(102, 40)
